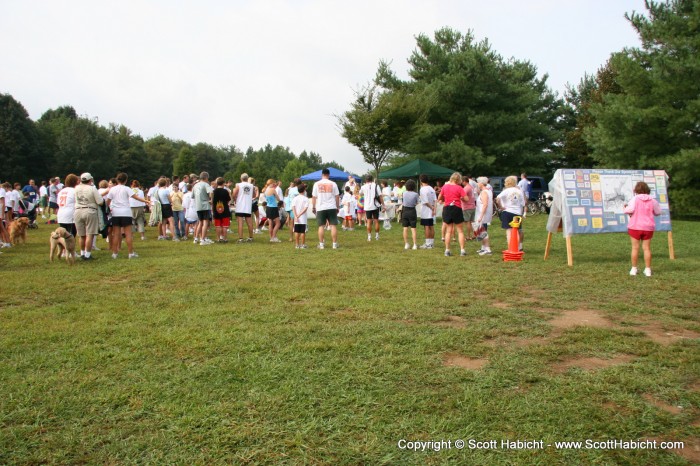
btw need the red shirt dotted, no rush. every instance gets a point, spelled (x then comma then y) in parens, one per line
(453, 194)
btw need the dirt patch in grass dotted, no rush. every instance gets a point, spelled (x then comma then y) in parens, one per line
(591, 364)
(458, 360)
(663, 336)
(452, 322)
(500, 305)
(661, 405)
(580, 317)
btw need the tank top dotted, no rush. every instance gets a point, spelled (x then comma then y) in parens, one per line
(488, 215)
(271, 200)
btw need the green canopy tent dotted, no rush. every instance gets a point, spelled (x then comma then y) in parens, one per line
(415, 168)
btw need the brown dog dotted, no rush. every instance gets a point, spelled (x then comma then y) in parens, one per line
(62, 240)
(18, 230)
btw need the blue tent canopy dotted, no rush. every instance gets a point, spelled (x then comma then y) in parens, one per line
(336, 175)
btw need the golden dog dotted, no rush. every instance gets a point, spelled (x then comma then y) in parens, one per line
(18, 230)
(62, 240)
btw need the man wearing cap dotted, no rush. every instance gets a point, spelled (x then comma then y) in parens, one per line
(87, 200)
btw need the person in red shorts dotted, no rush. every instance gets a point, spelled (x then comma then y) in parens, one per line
(222, 212)
(642, 209)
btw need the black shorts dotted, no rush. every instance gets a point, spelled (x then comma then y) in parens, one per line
(167, 211)
(452, 214)
(300, 228)
(122, 221)
(409, 218)
(272, 212)
(70, 228)
(243, 214)
(53, 205)
(506, 218)
(427, 222)
(372, 214)
(328, 215)
(203, 215)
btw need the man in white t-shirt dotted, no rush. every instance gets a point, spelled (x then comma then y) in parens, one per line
(325, 202)
(183, 184)
(243, 195)
(373, 204)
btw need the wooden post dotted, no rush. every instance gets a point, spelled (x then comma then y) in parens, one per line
(548, 245)
(569, 252)
(671, 250)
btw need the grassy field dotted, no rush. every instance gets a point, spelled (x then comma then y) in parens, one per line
(263, 354)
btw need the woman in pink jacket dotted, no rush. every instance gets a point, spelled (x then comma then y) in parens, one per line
(642, 209)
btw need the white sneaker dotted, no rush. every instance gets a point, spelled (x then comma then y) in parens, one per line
(647, 272)
(376, 237)
(335, 246)
(303, 246)
(205, 242)
(415, 246)
(463, 253)
(406, 246)
(633, 271)
(195, 241)
(369, 237)
(320, 245)
(424, 246)
(114, 256)
(176, 239)
(133, 255)
(485, 252)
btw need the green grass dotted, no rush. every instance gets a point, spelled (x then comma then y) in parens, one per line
(261, 353)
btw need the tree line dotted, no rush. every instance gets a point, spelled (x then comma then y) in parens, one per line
(465, 107)
(61, 142)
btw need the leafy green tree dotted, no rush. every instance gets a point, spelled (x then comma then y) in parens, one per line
(163, 151)
(131, 154)
(472, 110)
(652, 123)
(376, 124)
(19, 143)
(73, 144)
(185, 163)
(294, 169)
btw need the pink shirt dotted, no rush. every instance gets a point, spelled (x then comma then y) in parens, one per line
(642, 209)
(452, 194)
(471, 203)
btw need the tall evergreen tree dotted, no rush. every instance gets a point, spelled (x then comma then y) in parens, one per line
(19, 143)
(654, 122)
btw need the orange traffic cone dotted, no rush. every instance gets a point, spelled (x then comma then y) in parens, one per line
(513, 253)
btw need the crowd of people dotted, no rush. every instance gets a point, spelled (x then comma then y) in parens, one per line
(184, 209)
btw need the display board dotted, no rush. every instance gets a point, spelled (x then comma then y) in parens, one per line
(588, 201)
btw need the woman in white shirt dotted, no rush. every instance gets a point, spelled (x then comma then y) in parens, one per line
(66, 204)
(512, 201)
(118, 200)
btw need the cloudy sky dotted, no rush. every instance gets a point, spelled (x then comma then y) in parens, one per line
(249, 73)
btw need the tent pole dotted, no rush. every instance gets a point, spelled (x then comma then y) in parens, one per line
(671, 250)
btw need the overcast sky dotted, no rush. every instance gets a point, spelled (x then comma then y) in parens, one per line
(249, 73)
